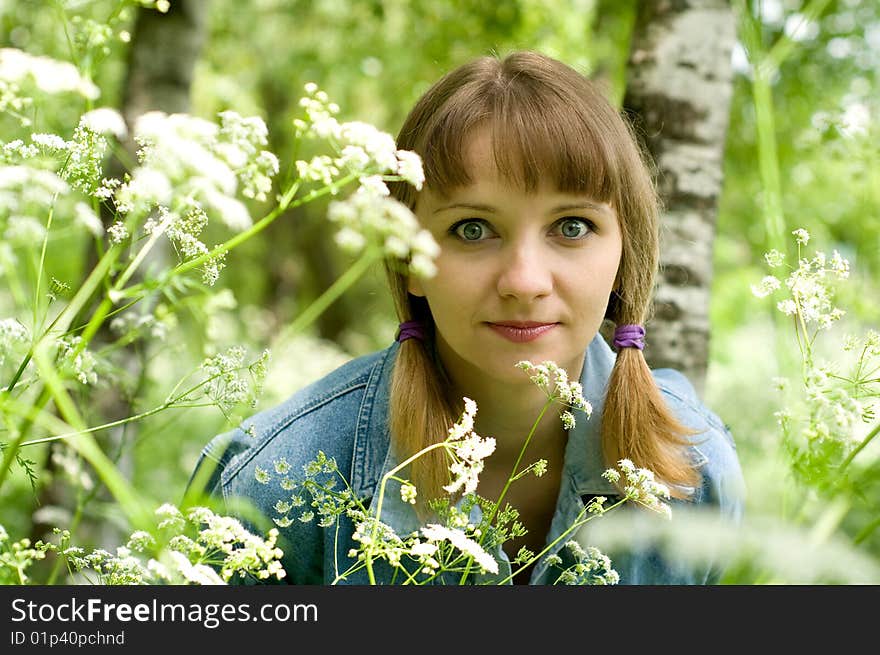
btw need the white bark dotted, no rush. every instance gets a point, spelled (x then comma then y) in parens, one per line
(678, 92)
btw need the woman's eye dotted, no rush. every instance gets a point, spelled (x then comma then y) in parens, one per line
(574, 228)
(471, 230)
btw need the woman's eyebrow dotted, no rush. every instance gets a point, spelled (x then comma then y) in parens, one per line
(600, 207)
(465, 205)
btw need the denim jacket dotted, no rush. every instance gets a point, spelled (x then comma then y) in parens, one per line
(345, 415)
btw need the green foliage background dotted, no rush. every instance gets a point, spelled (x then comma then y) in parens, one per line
(374, 58)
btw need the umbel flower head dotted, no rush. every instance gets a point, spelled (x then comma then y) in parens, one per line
(553, 380)
(186, 158)
(641, 486)
(369, 217)
(809, 285)
(468, 450)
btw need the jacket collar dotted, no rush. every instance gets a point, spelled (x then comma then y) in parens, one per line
(373, 458)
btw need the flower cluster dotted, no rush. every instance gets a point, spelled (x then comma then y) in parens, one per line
(371, 216)
(76, 362)
(808, 284)
(15, 558)
(435, 533)
(196, 547)
(641, 487)
(423, 552)
(468, 450)
(313, 494)
(240, 143)
(14, 338)
(50, 76)
(427, 552)
(840, 401)
(230, 381)
(831, 415)
(84, 154)
(553, 380)
(186, 160)
(456, 544)
(380, 540)
(242, 551)
(361, 148)
(183, 229)
(591, 566)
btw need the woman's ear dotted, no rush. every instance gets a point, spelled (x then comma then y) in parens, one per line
(414, 286)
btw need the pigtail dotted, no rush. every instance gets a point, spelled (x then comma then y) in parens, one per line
(419, 411)
(637, 425)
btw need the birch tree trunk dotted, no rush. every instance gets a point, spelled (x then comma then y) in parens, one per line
(679, 86)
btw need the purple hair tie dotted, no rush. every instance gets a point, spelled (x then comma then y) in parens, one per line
(629, 336)
(410, 330)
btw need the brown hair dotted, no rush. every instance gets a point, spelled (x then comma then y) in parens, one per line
(545, 119)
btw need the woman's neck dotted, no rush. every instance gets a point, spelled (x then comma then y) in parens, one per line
(509, 414)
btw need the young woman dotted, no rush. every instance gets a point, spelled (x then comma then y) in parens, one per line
(547, 221)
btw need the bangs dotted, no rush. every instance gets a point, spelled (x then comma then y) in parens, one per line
(537, 136)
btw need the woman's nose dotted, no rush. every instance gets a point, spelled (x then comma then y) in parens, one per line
(524, 272)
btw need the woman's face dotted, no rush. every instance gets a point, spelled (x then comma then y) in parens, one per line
(519, 276)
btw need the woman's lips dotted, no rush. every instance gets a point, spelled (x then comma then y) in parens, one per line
(521, 331)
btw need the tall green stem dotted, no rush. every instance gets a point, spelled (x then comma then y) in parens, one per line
(335, 290)
(368, 555)
(510, 478)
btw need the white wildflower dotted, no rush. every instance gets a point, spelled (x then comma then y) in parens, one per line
(49, 75)
(839, 265)
(564, 391)
(767, 286)
(199, 574)
(374, 184)
(641, 487)
(387, 223)
(774, 258)
(350, 240)
(147, 187)
(105, 120)
(468, 450)
(409, 167)
(117, 232)
(422, 266)
(408, 493)
(380, 146)
(434, 533)
(787, 307)
(49, 141)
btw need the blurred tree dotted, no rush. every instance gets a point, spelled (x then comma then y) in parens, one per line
(158, 75)
(162, 58)
(679, 88)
